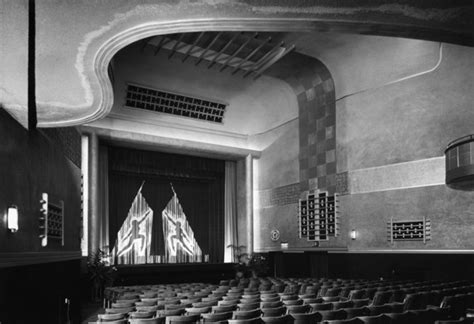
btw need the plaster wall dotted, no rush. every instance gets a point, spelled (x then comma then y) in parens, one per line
(408, 121)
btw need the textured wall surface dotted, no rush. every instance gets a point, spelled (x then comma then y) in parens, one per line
(69, 140)
(410, 120)
(391, 141)
(304, 154)
(451, 213)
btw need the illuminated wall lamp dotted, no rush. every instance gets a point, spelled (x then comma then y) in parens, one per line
(12, 218)
(353, 234)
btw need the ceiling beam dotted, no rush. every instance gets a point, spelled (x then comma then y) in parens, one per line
(237, 51)
(273, 60)
(173, 50)
(247, 58)
(160, 44)
(192, 46)
(222, 50)
(264, 58)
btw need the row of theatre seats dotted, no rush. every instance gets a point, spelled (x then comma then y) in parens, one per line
(287, 301)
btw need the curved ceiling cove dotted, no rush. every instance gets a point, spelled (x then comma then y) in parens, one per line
(74, 61)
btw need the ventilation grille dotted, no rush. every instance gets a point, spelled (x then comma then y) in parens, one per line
(417, 230)
(175, 104)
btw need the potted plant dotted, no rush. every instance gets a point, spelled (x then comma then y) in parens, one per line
(258, 265)
(241, 259)
(100, 272)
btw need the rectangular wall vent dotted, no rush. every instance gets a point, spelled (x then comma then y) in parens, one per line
(416, 230)
(175, 104)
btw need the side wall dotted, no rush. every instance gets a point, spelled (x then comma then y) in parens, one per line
(390, 165)
(32, 163)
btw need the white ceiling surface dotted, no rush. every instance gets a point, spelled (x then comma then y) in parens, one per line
(360, 62)
(253, 106)
(356, 62)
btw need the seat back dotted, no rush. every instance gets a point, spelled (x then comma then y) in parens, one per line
(343, 304)
(271, 312)
(379, 319)
(247, 314)
(321, 306)
(285, 319)
(156, 320)
(308, 318)
(355, 312)
(298, 309)
(333, 314)
(216, 317)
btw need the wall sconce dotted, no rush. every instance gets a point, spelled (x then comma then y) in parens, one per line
(12, 218)
(284, 245)
(353, 234)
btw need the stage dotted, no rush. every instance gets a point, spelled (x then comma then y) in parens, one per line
(140, 274)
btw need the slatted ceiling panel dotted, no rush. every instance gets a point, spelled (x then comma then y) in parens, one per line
(250, 53)
(161, 101)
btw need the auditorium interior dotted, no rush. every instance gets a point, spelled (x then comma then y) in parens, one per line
(240, 161)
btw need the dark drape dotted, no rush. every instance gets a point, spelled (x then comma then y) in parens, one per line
(198, 182)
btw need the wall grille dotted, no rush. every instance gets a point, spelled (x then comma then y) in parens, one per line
(174, 104)
(417, 230)
(318, 216)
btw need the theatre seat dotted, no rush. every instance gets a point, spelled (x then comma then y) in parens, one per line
(293, 302)
(156, 320)
(381, 297)
(216, 317)
(379, 319)
(285, 319)
(141, 314)
(119, 310)
(298, 309)
(271, 304)
(333, 314)
(355, 312)
(402, 318)
(247, 314)
(256, 320)
(183, 319)
(272, 312)
(111, 317)
(223, 309)
(248, 306)
(308, 318)
(197, 310)
(343, 304)
(361, 302)
(321, 306)
(345, 321)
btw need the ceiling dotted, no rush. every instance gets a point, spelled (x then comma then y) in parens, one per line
(242, 53)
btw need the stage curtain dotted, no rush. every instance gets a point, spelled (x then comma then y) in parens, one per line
(198, 182)
(103, 201)
(230, 212)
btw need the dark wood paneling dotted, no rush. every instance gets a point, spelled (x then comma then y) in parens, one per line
(30, 164)
(174, 273)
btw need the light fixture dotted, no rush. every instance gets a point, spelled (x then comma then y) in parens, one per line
(12, 218)
(353, 234)
(284, 245)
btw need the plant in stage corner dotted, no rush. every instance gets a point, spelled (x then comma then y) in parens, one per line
(100, 273)
(241, 259)
(258, 265)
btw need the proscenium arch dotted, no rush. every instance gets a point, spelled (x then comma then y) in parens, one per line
(99, 50)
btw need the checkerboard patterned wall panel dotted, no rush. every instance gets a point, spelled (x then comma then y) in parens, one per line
(317, 129)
